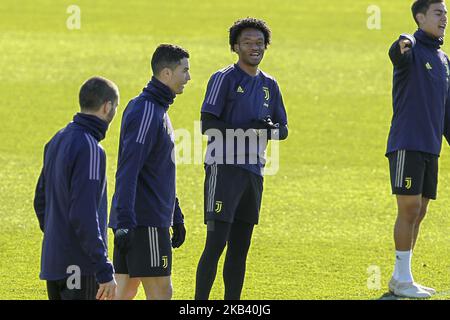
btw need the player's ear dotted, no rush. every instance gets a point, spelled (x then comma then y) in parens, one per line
(107, 107)
(236, 48)
(166, 73)
(420, 18)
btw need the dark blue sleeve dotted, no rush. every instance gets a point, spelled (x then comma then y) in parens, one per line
(140, 131)
(39, 196)
(39, 200)
(103, 213)
(397, 58)
(178, 216)
(85, 186)
(279, 115)
(447, 119)
(216, 94)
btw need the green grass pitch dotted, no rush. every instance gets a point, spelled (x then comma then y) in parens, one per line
(327, 216)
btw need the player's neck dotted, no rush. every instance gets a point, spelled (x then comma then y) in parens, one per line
(249, 69)
(430, 35)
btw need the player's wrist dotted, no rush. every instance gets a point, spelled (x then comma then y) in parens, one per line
(106, 273)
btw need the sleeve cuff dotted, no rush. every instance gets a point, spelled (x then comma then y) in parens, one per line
(105, 274)
(408, 37)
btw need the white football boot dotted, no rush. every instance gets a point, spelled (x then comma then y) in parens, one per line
(393, 284)
(431, 291)
(410, 290)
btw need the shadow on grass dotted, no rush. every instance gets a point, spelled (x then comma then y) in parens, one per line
(439, 295)
(389, 296)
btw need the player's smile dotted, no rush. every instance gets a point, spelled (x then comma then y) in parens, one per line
(256, 56)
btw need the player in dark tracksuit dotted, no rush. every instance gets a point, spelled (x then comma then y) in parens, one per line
(70, 201)
(243, 100)
(421, 117)
(144, 205)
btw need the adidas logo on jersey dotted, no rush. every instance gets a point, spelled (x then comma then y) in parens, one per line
(240, 90)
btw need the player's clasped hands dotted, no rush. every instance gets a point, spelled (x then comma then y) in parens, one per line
(263, 124)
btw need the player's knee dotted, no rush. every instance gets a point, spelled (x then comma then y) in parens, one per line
(422, 214)
(128, 294)
(214, 249)
(410, 210)
(411, 216)
(163, 292)
(237, 255)
(169, 292)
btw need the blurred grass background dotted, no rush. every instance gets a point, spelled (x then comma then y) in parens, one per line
(327, 215)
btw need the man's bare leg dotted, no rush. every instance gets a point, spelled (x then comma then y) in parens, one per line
(157, 288)
(126, 287)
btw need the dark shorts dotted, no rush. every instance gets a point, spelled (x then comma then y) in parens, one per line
(232, 193)
(67, 289)
(414, 173)
(150, 254)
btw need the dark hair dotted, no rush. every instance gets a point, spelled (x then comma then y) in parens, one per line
(167, 56)
(96, 91)
(422, 6)
(241, 24)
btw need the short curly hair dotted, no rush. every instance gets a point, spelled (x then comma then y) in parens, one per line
(241, 24)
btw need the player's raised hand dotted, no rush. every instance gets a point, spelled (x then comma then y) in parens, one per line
(107, 290)
(405, 45)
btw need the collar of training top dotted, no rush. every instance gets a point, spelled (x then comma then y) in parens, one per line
(96, 126)
(238, 68)
(427, 40)
(160, 92)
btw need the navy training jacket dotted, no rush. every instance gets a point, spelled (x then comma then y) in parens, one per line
(71, 202)
(420, 96)
(145, 193)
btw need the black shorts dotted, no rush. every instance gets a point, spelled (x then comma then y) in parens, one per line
(414, 173)
(232, 193)
(150, 254)
(64, 290)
